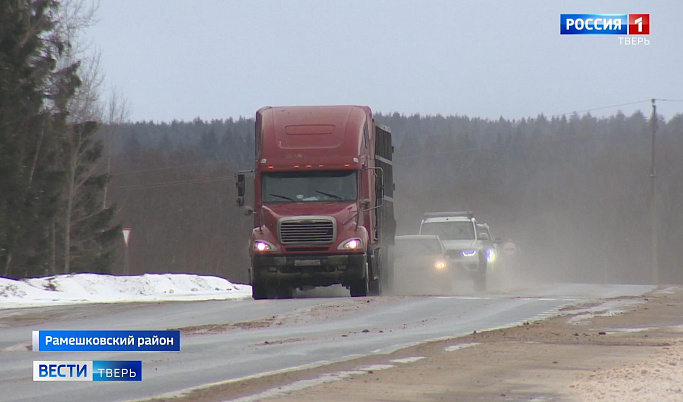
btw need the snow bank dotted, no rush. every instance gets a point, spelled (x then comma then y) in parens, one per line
(97, 288)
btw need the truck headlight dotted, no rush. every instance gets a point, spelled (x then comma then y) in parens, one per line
(468, 253)
(351, 244)
(440, 265)
(490, 255)
(262, 245)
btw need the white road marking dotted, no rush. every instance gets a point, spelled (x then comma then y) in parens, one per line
(376, 367)
(408, 359)
(461, 346)
(304, 384)
(19, 347)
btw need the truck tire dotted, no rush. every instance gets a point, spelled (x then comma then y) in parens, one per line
(375, 287)
(388, 271)
(480, 275)
(259, 291)
(378, 266)
(361, 287)
(284, 292)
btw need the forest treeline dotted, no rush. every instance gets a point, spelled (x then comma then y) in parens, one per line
(572, 191)
(54, 217)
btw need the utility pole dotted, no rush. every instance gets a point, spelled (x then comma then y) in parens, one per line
(653, 205)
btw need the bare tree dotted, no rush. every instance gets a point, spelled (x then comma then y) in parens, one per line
(84, 223)
(117, 113)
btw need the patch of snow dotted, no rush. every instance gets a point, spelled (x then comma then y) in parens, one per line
(667, 290)
(606, 309)
(659, 378)
(304, 384)
(408, 359)
(99, 288)
(453, 348)
(628, 330)
(376, 367)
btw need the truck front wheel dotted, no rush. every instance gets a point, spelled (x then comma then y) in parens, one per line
(285, 292)
(259, 291)
(360, 287)
(377, 266)
(375, 287)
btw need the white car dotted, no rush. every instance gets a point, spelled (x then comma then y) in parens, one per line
(464, 244)
(491, 244)
(421, 265)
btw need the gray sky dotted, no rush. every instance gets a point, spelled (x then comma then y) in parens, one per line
(226, 58)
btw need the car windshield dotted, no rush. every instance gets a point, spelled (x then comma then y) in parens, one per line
(453, 230)
(309, 186)
(417, 247)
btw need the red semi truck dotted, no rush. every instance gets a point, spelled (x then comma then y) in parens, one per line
(323, 208)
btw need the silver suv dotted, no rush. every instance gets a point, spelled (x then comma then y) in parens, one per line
(464, 244)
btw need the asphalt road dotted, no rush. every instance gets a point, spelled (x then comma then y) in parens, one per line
(223, 340)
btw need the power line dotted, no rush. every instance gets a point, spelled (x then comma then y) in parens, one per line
(175, 183)
(603, 107)
(167, 168)
(491, 148)
(617, 105)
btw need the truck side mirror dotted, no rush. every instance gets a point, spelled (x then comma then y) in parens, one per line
(247, 210)
(365, 204)
(483, 236)
(240, 184)
(379, 185)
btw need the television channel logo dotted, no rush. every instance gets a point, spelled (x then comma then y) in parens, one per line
(62, 371)
(639, 24)
(604, 24)
(96, 370)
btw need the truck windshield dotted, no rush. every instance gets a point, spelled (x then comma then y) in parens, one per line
(309, 186)
(462, 230)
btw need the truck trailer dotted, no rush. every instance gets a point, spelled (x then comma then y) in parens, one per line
(323, 201)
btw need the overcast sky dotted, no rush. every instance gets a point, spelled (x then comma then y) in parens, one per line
(184, 59)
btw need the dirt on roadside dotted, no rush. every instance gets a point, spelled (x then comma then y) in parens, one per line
(627, 349)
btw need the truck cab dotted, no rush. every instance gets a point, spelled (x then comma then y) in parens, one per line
(323, 206)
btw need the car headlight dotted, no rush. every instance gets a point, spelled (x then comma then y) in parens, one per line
(440, 265)
(468, 253)
(262, 246)
(351, 244)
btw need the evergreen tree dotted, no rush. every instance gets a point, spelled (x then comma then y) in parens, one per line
(29, 50)
(87, 235)
(47, 157)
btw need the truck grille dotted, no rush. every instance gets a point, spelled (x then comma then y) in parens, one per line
(307, 230)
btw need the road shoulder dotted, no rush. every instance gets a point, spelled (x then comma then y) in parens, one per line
(621, 349)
